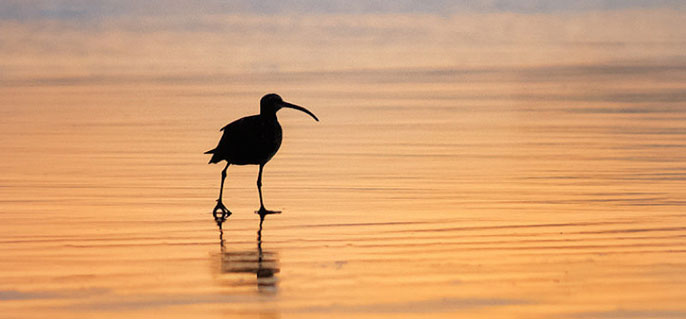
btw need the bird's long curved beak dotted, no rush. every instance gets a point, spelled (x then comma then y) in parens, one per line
(299, 108)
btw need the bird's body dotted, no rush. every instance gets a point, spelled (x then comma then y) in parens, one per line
(251, 140)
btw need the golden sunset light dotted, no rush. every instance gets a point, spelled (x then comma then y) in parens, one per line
(422, 159)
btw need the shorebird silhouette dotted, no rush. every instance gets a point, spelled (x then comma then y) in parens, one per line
(251, 140)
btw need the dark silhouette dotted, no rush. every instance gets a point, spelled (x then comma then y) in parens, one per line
(264, 264)
(251, 140)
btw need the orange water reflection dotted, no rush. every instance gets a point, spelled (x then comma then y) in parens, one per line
(531, 188)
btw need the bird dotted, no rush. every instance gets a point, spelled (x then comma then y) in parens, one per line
(251, 140)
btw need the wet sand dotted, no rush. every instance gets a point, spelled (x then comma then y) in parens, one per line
(520, 191)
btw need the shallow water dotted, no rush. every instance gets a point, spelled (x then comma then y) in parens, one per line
(549, 191)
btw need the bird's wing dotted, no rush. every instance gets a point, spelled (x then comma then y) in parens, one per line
(240, 126)
(237, 124)
(238, 134)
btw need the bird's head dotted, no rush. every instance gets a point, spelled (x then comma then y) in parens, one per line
(271, 103)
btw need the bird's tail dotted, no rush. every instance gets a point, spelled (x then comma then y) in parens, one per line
(215, 158)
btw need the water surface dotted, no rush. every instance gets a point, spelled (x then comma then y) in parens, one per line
(530, 190)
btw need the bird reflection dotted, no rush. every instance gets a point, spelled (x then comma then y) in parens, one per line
(264, 264)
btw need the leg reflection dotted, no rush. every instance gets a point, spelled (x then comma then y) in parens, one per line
(263, 263)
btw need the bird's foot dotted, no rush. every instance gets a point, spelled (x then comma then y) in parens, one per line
(220, 208)
(263, 212)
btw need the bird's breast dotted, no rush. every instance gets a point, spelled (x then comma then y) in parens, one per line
(269, 142)
(271, 139)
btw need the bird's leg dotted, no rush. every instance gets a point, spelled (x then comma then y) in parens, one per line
(259, 186)
(263, 211)
(220, 206)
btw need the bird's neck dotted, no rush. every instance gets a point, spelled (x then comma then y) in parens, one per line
(269, 116)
